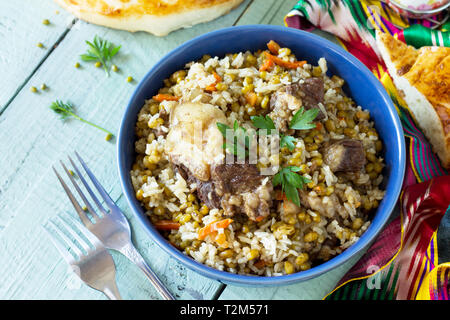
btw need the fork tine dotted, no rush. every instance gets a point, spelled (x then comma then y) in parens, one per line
(86, 185)
(72, 231)
(86, 201)
(63, 251)
(86, 232)
(66, 241)
(96, 183)
(74, 201)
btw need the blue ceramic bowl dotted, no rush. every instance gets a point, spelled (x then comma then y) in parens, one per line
(361, 86)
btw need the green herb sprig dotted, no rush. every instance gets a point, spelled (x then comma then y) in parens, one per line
(303, 120)
(241, 142)
(66, 111)
(265, 122)
(100, 50)
(290, 181)
(288, 177)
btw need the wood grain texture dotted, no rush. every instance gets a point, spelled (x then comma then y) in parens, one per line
(36, 140)
(266, 12)
(21, 28)
(33, 139)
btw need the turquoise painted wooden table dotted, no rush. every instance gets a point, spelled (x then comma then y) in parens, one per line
(32, 139)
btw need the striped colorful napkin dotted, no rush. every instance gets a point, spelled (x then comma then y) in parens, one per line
(403, 263)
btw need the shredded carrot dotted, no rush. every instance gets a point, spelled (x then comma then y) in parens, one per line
(319, 126)
(212, 87)
(212, 227)
(251, 98)
(273, 47)
(160, 97)
(167, 225)
(280, 195)
(217, 77)
(281, 62)
(268, 64)
(259, 218)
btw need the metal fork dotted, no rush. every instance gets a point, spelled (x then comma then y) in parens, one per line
(95, 267)
(111, 227)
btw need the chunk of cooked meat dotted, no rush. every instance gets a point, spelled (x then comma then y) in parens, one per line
(289, 208)
(235, 178)
(311, 91)
(284, 106)
(194, 140)
(205, 189)
(245, 190)
(235, 188)
(345, 155)
(207, 194)
(313, 94)
(329, 207)
(288, 100)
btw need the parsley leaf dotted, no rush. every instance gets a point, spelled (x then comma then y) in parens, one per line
(288, 177)
(102, 51)
(302, 120)
(265, 122)
(290, 181)
(288, 142)
(66, 110)
(262, 122)
(241, 139)
(292, 194)
(223, 128)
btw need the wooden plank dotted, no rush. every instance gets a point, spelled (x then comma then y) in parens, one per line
(46, 276)
(21, 28)
(266, 12)
(30, 266)
(95, 96)
(273, 12)
(29, 193)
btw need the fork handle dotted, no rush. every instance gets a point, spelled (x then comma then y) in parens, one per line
(131, 253)
(112, 292)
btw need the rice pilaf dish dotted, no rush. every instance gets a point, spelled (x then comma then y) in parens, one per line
(230, 216)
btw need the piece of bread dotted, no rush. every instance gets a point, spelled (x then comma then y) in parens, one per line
(158, 17)
(422, 77)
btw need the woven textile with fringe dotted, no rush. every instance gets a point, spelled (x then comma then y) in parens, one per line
(403, 261)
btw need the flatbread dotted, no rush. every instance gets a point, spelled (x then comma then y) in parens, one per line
(422, 77)
(153, 16)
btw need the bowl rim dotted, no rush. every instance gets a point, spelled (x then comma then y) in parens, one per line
(226, 277)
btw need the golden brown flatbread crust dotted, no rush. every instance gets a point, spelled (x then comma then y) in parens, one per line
(402, 55)
(155, 16)
(430, 74)
(422, 76)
